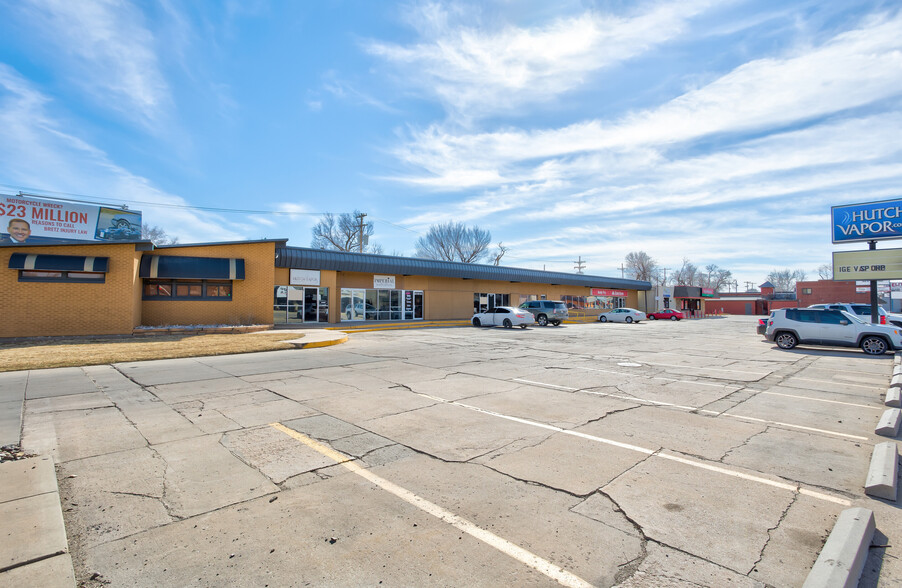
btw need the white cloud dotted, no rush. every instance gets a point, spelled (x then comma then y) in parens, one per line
(476, 71)
(107, 51)
(39, 155)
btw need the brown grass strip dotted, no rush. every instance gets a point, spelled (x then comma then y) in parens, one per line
(72, 352)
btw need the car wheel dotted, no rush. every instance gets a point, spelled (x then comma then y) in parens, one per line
(673, 318)
(651, 317)
(122, 224)
(628, 319)
(508, 324)
(476, 322)
(542, 320)
(602, 319)
(786, 340)
(349, 315)
(874, 345)
(523, 326)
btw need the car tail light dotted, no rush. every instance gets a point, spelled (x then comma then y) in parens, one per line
(882, 320)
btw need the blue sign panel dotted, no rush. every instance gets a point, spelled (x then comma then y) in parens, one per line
(871, 221)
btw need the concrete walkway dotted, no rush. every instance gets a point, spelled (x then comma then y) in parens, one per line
(33, 546)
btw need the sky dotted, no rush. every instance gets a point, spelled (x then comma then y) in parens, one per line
(715, 132)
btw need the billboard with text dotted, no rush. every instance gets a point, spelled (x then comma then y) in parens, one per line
(30, 219)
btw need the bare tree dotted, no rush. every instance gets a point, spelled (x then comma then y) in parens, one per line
(785, 280)
(343, 233)
(157, 235)
(825, 272)
(687, 275)
(454, 242)
(501, 251)
(641, 266)
(717, 277)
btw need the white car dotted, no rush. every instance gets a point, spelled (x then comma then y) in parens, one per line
(504, 316)
(863, 311)
(622, 315)
(788, 327)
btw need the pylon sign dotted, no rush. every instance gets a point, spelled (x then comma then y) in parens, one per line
(870, 221)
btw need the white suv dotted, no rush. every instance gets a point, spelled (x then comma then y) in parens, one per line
(863, 311)
(788, 327)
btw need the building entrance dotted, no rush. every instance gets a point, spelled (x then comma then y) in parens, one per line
(300, 304)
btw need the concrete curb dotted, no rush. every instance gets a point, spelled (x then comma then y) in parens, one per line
(896, 382)
(888, 426)
(842, 559)
(893, 398)
(35, 551)
(883, 475)
(319, 339)
(897, 360)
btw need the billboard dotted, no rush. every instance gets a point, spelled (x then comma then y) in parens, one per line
(29, 219)
(870, 264)
(870, 221)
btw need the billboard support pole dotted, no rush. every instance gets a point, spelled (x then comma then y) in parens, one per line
(875, 318)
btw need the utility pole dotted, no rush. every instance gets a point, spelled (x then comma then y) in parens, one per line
(622, 269)
(360, 225)
(580, 264)
(748, 286)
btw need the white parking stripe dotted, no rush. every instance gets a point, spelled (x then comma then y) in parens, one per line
(694, 408)
(880, 408)
(650, 452)
(559, 575)
(633, 375)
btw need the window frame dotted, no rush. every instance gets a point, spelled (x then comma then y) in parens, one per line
(173, 288)
(64, 277)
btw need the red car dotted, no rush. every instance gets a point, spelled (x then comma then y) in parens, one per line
(667, 313)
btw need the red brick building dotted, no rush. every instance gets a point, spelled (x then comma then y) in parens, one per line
(806, 294)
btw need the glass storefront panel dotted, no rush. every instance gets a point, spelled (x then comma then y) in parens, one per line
(381, 305)
(297, 304)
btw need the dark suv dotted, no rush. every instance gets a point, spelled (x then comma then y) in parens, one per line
(547, 311)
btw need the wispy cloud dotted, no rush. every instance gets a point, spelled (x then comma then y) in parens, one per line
(476, 71)
(107, 51)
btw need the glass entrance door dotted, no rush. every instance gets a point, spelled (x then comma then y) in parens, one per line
(418, 305)
(311, 301)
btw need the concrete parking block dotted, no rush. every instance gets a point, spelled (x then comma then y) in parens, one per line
(883, 475)
(897, 369)
(32, 530)
(842, 558)
(893, 397)
(26, 477)
(54, 572)
(897, 359)
(888, 425)
(896, 382)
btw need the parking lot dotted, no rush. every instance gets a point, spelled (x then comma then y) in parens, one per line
(653, 454)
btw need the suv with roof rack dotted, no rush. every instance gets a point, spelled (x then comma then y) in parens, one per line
(788, 327)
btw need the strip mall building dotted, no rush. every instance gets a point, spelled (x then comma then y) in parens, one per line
(101, 288)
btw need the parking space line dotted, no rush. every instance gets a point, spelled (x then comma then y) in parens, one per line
(880, 408)
(694, 408)
(660, 378)
(559, 575)
(650, 452)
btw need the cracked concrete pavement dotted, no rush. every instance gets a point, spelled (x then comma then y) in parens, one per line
(657, 454)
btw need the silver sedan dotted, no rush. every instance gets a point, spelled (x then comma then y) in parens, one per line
(622, 315)
(505, 316)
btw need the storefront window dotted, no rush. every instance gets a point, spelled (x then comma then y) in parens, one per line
(381, 305)
(483, 302)
(300, 304)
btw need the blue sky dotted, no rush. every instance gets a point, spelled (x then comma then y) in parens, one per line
(721, 132)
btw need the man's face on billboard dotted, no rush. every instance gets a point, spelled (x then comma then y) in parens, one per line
(19, 230)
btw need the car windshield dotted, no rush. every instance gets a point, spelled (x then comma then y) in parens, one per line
(853, 318)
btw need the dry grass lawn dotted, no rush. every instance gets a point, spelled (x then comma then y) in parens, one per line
(71, 352)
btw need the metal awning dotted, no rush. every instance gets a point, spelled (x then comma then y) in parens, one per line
(58, 263)
(191, 268)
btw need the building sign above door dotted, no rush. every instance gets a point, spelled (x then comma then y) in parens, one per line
(300, 277)
(870, 221)
(384, 282)
(602, 292)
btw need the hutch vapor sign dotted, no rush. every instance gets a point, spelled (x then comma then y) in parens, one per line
(29, 219)
(871, 221)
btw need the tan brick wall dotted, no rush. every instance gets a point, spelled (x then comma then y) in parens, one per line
(252, 297)
(33, 309)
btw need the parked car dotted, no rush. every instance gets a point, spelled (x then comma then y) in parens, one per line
(788, 327)
(622, 315)
(762, 326)
(505, 316)
(667, 313)
(547, 311)
(863, 311)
